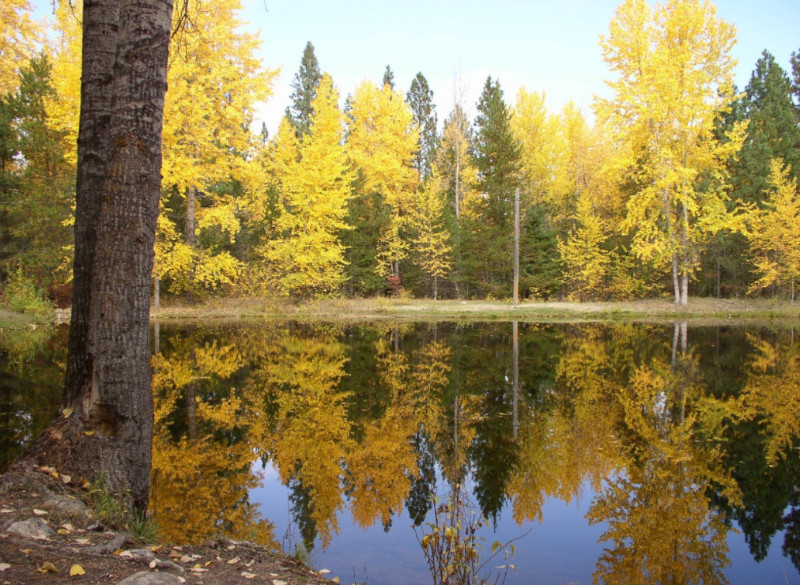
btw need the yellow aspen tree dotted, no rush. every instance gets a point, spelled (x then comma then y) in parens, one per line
(432, 250)
(308, 260)
(19, 36)
(381, 144)
(543, 147)
(774, 233)
(64, 109)
(673, 76)
(215, 81)
(585, 259)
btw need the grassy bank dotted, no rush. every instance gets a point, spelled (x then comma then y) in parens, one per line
(427, 310)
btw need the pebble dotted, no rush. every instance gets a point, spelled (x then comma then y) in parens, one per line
(148, 578)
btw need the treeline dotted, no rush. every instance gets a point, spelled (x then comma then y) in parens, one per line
(682, 182)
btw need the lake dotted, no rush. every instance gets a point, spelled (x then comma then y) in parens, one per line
(619, 453)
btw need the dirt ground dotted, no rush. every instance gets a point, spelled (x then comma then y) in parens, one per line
(96, 555)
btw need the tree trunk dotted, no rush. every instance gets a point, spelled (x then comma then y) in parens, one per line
(676, 285)
(191, 236)
(516, 246)
(108, 378)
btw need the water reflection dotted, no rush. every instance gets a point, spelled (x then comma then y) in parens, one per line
(674, 434)
(368, 422)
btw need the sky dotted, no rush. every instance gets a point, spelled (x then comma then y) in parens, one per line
(539, 45)
(549, 46)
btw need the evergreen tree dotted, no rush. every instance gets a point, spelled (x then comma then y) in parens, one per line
(772, 131)
(795, 61)
(305, 84)
(498, 162)
(420, 100)
(388, 78)
(35, 196)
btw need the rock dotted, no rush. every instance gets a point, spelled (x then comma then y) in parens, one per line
(35, 528)
(143, 553)
(148, 578)
(71, 507)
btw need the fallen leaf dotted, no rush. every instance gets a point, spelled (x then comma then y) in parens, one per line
(153, 564)
(247, 575)
(67, 412)
(278, 582)
(25, 551)
(324, 571)
(89, 433)
(250, 564)
(335, 579)
(76, 570)
(82, 540)
(39, 512)
(231, 547)
(47, 567)
(4, 566)
(198, 570)
(233, 561)
(68, 526)
(6, 511)
(208, 563)
(47, 469)
(66, 478)
(186, 559)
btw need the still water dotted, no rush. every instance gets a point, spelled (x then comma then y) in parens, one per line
(619, 453)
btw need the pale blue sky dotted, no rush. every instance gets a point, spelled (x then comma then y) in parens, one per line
(541, 45)
(536, 44)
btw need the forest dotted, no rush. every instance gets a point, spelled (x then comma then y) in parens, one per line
(679, 183)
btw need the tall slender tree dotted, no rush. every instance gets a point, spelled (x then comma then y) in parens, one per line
(498, 162)
(388, 77)
(420, 100)
(305, 84)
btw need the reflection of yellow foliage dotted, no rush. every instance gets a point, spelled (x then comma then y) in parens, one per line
(312, 434)
(772, 393)
(660, 526)
(573, 443)
(201, 482)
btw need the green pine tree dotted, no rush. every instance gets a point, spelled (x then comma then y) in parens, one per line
(772, 131)
(305, 84)
(420, 100)
(497, 159)
(388, 77)
(35, 196)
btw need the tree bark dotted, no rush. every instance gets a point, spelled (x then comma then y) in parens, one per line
(108, 378)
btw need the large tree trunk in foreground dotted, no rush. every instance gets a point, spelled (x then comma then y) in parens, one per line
(108, 382)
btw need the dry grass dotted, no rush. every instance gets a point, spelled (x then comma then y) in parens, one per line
(426, 309)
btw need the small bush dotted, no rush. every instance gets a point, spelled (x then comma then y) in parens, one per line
(21, 295)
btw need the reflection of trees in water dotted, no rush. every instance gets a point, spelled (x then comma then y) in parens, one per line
(364, 416)
(31, 379)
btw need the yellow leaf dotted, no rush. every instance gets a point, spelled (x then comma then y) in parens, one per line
(76, 570)
(89, 433)
(47, 567)
(66, 478)
(67, 412)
